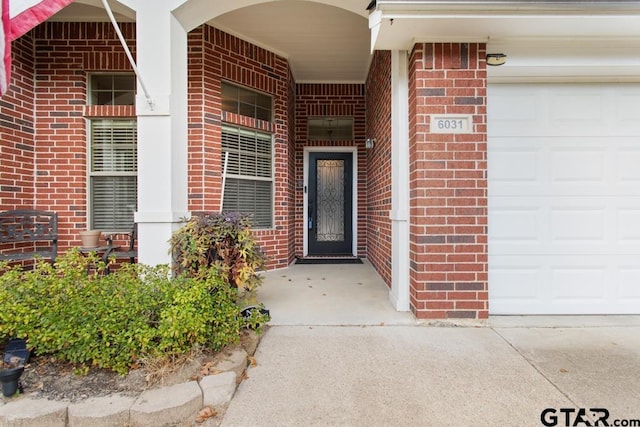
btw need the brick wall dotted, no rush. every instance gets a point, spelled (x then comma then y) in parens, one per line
(204, 157)
(448, 198)
(65, 55)
(17, 130)
(53, 64)
(291, 201)
(331, 100)
(215, 56)
(378, 89)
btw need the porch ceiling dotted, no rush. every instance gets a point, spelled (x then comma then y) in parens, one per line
(323, 43)
(330, 40)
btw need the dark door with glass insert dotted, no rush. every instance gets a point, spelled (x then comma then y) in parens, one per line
(329, 220)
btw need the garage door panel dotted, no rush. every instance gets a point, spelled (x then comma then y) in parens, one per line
(570, 285)
(628, 166)
(565, 110)
(518, 225)
(578, 166)
(516, 111)
(629, 283)
(572, 108)
(578, 282)
(564, 199)
(628, 227)
(564, 285)
(563, 189)
(564, 167)
(563, 225)
(585, 225)
(627, 109)
(512, 165)
(515, 282)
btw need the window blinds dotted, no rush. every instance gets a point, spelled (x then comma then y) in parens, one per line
(113, 181)
(249, 184)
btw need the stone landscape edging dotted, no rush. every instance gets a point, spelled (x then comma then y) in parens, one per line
(165, 406)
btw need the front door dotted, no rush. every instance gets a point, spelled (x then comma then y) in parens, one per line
(330, 209)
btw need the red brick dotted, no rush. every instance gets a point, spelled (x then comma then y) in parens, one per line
(460, 161)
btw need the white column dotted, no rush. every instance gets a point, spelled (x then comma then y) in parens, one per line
(162, 129)
(399, 294)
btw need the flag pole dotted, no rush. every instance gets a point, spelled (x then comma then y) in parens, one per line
(224, 178)
(127, 52)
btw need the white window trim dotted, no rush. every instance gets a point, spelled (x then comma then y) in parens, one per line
(254, 178)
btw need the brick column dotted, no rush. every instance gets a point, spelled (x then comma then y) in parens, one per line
(448, 183)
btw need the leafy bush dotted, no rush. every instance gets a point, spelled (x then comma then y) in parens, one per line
(222, 240)
(113, 320)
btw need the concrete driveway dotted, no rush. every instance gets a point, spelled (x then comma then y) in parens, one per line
(386, 369)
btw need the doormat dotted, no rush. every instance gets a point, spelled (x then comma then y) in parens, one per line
(328, 261)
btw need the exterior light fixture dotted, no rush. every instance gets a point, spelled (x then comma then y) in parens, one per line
(369, 143)
(495, 59)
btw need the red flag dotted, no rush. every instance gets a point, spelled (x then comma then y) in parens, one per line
(23, 16)
(5, 50)
(26, 14)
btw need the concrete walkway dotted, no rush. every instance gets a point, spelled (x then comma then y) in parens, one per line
(338, 356)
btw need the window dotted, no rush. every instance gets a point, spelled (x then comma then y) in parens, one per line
(330, 128)
(249, 175)
(246, 102)
(113, 89)
(113, 174)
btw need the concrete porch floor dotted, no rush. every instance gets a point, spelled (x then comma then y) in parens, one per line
(355, 295)
(329, 294)
(338, 354)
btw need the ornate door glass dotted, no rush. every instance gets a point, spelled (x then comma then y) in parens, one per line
(330, 179)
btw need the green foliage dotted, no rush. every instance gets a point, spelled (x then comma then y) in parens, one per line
(113, 320)
(223, 241)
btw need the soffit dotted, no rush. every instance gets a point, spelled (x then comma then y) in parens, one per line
(399, 24)
(93, 11)
(323, 43)
(327, 43)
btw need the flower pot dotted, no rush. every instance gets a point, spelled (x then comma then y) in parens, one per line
(90, 238)
(16, 353)
(9, 379)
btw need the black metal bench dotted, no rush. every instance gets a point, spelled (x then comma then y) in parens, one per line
(28, 234)
(128, 250)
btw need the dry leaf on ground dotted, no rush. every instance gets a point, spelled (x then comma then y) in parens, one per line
(209, 369)
(242, 377)
(205, 414)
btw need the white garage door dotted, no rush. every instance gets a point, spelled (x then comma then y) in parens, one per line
(564, 198)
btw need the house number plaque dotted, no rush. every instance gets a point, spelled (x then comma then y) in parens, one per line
(452, 123)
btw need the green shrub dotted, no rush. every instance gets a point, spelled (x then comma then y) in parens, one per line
(221, 240)
(113, 320)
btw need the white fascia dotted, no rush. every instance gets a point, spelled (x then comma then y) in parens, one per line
(401, 24)
(497, 7)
